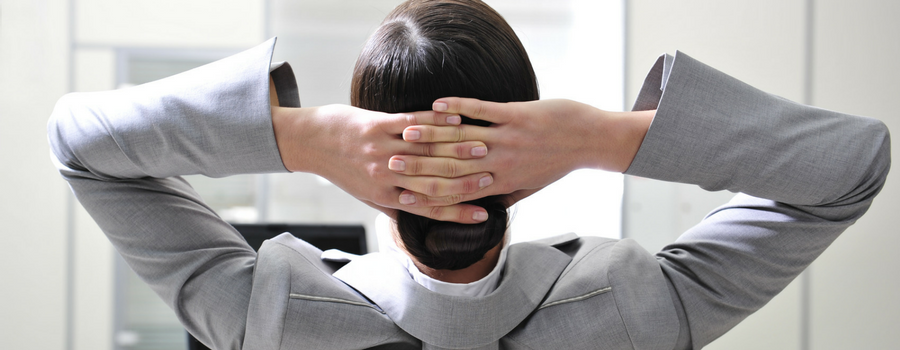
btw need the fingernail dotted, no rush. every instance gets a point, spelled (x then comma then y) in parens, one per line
(487, 180)
(397, 165)
(407, 199)
(479, 151)
(440, 106)
(454, 120)
(480, 215)
(411, 135)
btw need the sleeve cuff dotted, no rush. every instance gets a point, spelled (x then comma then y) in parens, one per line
(285, 84)
(654, 84)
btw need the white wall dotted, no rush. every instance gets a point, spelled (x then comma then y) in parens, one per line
(852, 287)
(92, 263)
(170, 23)
(33, 61)
(49, 281)
(854, 284)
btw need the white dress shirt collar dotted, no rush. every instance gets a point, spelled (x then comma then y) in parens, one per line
(384, 228)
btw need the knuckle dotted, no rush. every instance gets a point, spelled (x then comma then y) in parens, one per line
(369, 129)
(461, 151)
(453, 199)
(369, 149)
(415, 167)
(450, 169)
(470, 186)
(436, 212)
(479, 110)
(432, 188)
(428, 150)
(461, 216)
(374, 170)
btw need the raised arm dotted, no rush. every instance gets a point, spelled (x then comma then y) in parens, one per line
(805, 175)
(123, 151)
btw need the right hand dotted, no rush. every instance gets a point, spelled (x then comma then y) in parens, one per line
(532, 144)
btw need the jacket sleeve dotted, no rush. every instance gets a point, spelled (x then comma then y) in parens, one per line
(805, 174)
(122, 153)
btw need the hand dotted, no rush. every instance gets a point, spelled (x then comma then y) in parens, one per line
(350, 147)
(532, 144)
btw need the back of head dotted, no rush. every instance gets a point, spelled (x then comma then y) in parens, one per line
(428, 49)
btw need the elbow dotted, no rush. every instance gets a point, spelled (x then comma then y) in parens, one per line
(865, 163)
(882, 154)
(61, 133)
(873, 165)
(60, 116)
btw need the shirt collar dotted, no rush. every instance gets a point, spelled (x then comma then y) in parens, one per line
(383, 229)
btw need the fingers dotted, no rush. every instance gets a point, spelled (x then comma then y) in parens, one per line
(440, 187)
(459, 150)
(428, 166)
(461, 213)
(460, 133)
(414, 199)
(395, 123)
(476, 109)
(420, 200)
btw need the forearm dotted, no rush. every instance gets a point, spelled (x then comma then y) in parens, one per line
(198, 122)
(721, 134)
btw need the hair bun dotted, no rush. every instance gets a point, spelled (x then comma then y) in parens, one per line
(443, 245)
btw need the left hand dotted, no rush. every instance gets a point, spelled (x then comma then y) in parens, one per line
(351, 147)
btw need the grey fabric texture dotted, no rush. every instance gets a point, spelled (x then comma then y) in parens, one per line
(818, 171)
(807, 174)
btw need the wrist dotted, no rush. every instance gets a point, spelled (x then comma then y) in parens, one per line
(286, 123)
(618, 137)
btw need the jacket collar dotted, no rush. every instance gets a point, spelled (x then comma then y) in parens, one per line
(447, 321)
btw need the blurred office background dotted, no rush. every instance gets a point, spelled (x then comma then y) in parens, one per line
(64, 288)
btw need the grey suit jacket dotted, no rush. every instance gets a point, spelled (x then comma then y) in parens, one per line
(804, 174)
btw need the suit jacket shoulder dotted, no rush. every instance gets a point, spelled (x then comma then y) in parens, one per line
(597, 292)
(612, 295)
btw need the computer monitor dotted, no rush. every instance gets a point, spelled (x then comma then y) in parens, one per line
(349, 238)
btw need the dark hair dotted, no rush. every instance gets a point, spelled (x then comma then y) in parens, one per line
(428, 49)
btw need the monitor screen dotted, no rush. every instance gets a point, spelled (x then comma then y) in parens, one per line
(349, 238)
